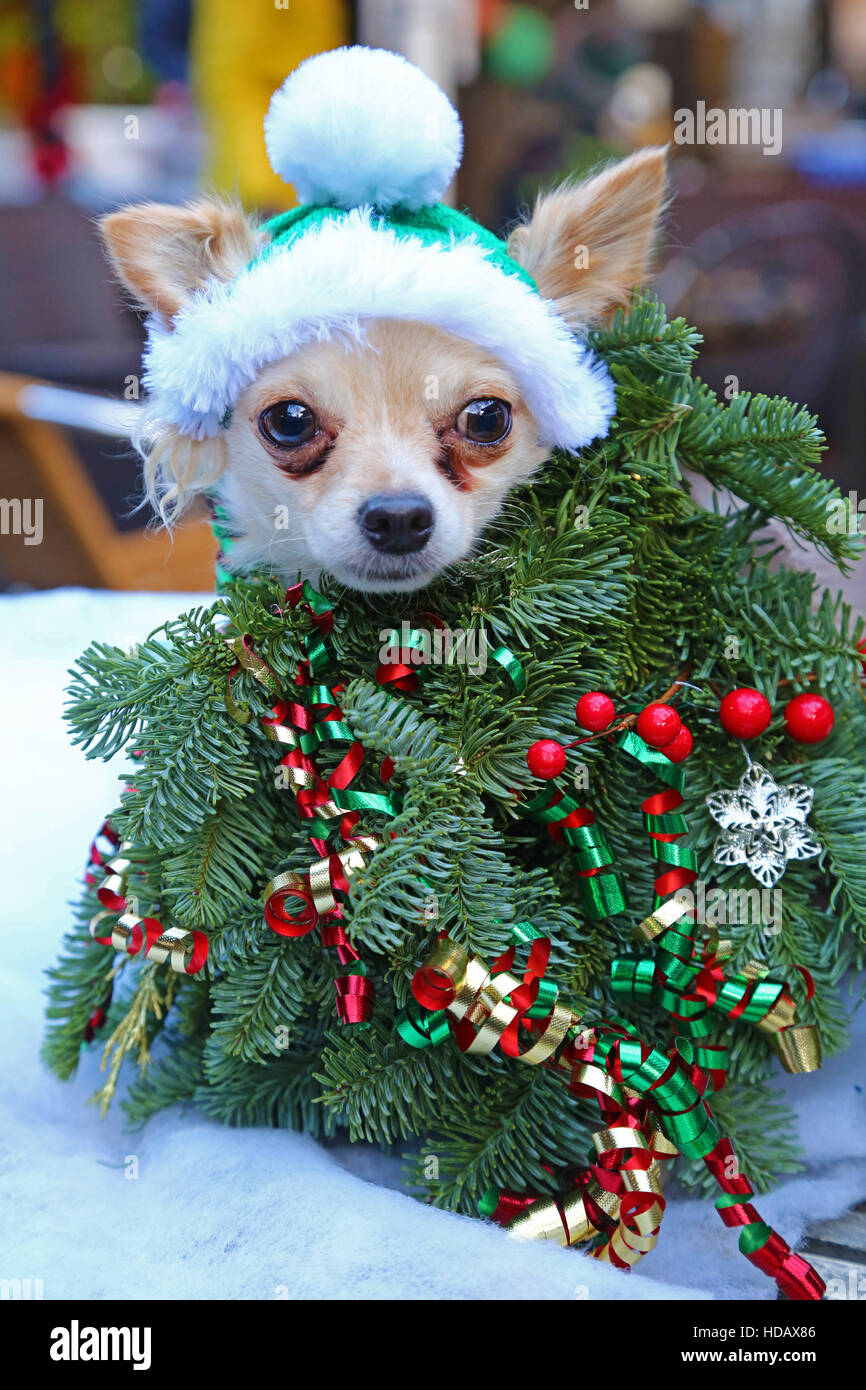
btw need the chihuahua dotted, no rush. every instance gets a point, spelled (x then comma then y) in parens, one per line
(378, 456)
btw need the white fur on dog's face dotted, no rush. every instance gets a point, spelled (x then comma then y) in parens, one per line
(388, 409)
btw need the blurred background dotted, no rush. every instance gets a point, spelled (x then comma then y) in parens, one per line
(109, 101)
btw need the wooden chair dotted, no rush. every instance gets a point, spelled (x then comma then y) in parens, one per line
(81, 543)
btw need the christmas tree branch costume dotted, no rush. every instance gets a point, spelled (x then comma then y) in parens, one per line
(343, 896)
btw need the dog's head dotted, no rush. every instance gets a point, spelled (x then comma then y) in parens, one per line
(384, 440)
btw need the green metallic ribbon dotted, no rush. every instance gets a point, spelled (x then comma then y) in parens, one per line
(511, 666)
(419, 1028)
(601, 894)
(678, 865)
(315, 649)
(744, 997)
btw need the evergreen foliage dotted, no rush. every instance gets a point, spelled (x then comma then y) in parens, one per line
(604, 573)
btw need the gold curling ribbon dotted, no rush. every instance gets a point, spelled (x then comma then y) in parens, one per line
(659, 921)
(175, 944)
(799, 1048)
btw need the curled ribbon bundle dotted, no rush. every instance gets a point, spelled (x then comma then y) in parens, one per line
(650, 1103)
(489, 1006)
(690, 984)
(296, 903)
(619, 1197)
(185, 950)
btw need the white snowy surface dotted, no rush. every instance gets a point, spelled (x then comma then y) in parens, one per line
(264, 1214)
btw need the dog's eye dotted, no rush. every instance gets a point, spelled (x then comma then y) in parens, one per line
(288, 424)
(485, 421)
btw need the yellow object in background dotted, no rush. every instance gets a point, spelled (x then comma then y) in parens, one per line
(241, 51)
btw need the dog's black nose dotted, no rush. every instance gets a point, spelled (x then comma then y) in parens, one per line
(397, 522)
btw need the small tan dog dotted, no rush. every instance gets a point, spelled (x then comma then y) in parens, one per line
(363, 380)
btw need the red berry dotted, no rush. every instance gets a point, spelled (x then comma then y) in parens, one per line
(861, 647)
(681, 746)
(546, 758)
(745, 713)
(809, 717)
(658, 725)
(594, 711)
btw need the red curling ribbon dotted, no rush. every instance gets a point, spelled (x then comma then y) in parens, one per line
(432, 989)
(93, 1025)
(286, 923)
(99, 855)
(199, 953)
(398, 674)
(809, 982)
(355, 994)
(355, 998)
(347, 768)
(138, 937)
(722, 1163)
(659, 804)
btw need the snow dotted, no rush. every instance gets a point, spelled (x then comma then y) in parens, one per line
(263, 1214)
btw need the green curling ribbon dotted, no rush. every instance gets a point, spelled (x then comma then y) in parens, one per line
(332, 731)
(387, 803)
(421, 1029)
(632, 979)
(416, 639)
(512, 667)
(671, 773)
(488, 1202)
(320, 695)
(315, 648)
(753, 1236)
(319, 828)
(672, 856)
(524, 933)
(601, 894)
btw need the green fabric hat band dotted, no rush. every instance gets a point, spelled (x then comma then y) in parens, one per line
(434, 225)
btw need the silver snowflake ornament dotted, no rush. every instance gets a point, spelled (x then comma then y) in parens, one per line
(763, 825)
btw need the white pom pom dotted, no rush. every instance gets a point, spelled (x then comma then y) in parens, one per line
(361, 125)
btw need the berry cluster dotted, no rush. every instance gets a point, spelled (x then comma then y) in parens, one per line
(746, 713)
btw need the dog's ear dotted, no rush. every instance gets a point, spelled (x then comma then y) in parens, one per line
(586, 245)
(162, 254)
